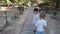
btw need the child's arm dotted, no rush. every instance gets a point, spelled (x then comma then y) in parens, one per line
(36, 24)
(45, 26)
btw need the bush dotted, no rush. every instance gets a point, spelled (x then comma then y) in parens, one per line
(14, 17)
(21, 9)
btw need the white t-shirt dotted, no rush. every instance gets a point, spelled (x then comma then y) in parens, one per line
(40, 24)
(35, 18)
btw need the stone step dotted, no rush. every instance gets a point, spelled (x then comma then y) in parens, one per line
(29, 28)
(52, 31)
(27, 32)
(29, 25)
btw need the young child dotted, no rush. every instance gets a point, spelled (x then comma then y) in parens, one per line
(35, 16)
(41, 24)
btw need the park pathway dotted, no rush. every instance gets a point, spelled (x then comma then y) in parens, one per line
(29, 27)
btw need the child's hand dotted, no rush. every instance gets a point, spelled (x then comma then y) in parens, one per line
(46, 28)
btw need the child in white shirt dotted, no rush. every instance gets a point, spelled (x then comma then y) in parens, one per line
(41, 24)
(35, 16)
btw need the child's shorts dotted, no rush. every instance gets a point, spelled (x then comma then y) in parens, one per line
(39, 32)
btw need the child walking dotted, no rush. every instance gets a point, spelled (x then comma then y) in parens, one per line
(41, 24)
(35, 16)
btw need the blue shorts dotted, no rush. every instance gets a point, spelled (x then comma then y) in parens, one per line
(39, 32)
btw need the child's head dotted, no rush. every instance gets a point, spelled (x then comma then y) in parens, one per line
(35, 10)
(42, 16)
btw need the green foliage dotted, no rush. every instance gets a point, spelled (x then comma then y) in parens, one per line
(3, 1)
(33, 1)
(20, 1)
(55, 1)
(11, 1)
(14, 17)
(21, 9)
(8, 2)
(16, 1)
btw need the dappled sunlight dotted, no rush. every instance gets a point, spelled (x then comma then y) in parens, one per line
(17, 16)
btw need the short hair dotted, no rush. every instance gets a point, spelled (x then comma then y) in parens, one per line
(42, 15)
(35, 9)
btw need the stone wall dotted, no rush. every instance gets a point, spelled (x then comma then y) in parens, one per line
(12, 14)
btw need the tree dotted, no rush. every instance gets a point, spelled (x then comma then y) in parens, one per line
(3, 1)
(12, 1)
(56, 2)
(56, 6)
